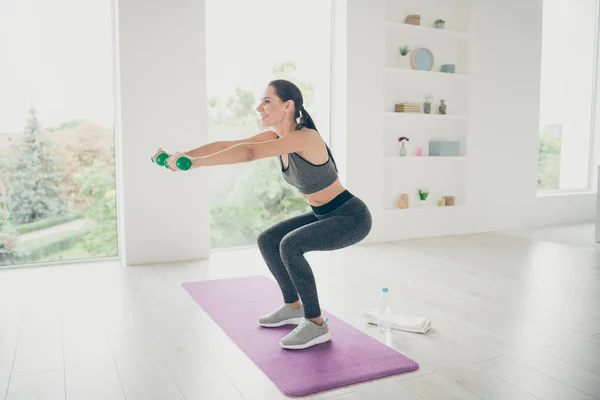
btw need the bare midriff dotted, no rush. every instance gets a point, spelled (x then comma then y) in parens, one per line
(324, 196)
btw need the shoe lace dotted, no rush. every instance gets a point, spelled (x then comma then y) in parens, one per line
(301, 326)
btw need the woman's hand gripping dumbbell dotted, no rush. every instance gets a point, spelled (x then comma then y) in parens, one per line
(173, 162)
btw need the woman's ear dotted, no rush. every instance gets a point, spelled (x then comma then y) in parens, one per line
(289, 105)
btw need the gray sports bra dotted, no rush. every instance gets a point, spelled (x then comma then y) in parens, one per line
(306, 176)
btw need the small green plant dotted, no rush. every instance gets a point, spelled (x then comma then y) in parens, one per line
(440, 21)
(404, 50)
(423, 193)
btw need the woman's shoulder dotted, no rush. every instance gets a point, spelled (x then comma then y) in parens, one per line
(308, 131)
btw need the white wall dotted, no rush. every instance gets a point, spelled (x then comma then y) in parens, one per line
(339, 84)
(364, 103)
(503, 110)
(163, 104)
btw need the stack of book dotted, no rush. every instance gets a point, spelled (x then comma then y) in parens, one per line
(408, 107)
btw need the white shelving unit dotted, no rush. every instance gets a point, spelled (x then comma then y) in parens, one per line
(407, 115)
(425, 158)
(402, 70)
(428, 30)
(432, 208)
(442, 176)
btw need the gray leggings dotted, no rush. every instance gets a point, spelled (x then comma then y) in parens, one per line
(283, 245)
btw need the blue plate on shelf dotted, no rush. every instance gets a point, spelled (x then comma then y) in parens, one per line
(422, 59)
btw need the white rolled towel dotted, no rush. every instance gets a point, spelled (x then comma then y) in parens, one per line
(401, 322)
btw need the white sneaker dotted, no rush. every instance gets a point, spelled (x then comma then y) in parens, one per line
(306, 335)
(284, 315)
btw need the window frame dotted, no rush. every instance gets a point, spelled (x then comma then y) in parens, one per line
(591, 187)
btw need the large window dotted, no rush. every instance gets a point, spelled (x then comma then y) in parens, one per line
(281, 39)
(57, 182)
(569, 43)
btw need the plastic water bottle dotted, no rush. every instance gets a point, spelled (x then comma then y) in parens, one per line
(385, 312)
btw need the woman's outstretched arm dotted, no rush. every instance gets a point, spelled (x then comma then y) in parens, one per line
(207, 149)
(215, 147)
(250, 151)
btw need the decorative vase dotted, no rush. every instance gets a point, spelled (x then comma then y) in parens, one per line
(427, 108)
(402, 150)
(442, 107)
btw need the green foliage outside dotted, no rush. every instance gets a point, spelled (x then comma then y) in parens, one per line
(249, 198)
(97, 185)
(8, 253)
(50, 177)
(47, 223)
(34, 192)
(549, 162)
(41, 250)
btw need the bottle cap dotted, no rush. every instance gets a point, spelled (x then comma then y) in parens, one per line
(385, 290)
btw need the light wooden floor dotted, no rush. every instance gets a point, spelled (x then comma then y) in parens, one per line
(513, 318)
(579, 235)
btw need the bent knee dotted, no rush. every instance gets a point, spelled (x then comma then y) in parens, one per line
(266, 239)
(289, 246)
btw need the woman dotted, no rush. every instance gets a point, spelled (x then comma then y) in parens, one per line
(338, 219)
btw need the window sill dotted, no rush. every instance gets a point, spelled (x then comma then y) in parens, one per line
(565, 193)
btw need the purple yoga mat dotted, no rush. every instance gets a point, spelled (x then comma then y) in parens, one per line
(350, 357)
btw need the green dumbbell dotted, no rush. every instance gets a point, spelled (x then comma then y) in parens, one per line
(183, 163)
(161, 158)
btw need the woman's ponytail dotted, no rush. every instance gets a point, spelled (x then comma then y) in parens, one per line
(307, 122)
(306, 119)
